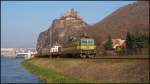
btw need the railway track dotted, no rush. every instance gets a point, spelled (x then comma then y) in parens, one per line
(110, 57)
(121, 58)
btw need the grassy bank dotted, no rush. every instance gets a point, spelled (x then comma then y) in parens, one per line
(91, 70)
(47, 75)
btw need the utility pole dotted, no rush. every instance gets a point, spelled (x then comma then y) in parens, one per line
(51, 40)
(50, 44)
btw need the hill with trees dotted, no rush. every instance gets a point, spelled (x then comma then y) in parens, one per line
(130, 18)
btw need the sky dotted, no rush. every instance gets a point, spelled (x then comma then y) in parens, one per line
(22, 21)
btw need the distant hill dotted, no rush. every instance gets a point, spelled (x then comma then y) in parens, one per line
(133, 17)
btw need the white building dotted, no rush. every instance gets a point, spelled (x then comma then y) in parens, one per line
(8, 52)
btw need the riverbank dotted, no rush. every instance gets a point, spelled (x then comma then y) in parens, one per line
(12, 72)
(48, 75)
(62, 70)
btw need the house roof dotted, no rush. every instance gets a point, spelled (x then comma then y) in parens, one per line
(118, 42)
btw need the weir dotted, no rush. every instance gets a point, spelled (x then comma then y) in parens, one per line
(27, 55)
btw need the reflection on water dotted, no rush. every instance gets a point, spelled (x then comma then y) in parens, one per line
(12, 72)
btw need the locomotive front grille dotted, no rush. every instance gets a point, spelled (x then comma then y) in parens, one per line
(88, 52)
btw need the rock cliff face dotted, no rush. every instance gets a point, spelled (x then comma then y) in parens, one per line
(68, 26)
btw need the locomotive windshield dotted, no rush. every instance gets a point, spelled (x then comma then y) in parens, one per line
(87, 42)
(90, 42)
(83, 42)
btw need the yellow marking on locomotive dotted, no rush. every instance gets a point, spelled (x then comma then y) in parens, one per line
(84, 47)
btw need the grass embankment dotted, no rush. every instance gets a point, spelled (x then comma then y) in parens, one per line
(94, 70)
(48, 75)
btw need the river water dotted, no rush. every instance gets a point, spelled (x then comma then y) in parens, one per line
(12, 72)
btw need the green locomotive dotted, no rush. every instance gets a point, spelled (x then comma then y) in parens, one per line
(83, 47)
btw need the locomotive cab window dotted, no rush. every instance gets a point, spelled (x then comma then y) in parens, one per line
(90, 42)
(83, 42)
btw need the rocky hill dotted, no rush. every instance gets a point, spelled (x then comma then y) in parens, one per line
(133, 17)
(68, 26)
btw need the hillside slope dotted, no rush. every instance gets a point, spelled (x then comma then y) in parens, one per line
(133, 17)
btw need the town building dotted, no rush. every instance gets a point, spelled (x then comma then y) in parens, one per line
(118, 43)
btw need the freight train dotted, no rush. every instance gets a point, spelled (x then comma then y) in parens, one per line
(83, 47)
